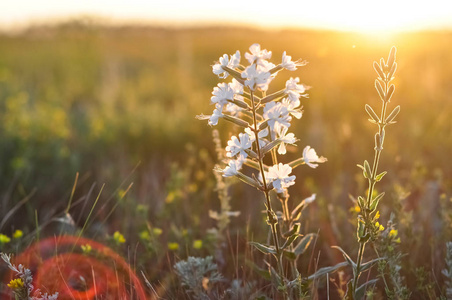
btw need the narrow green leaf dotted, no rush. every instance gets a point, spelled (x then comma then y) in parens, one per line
(369, 264)
(392, 71)
(390, 92)
(378, 70)
(359, 293)
(323, 271)
(289, 241)
(393, 114)
(380, 176)
(349, 294)
(392, 56)
(248, 180)
(263, 248)
(367, 169)
(375, 201)
(294, 230)
(236, 121)
(347, 258)
(262, 272)
(304, 243)
(380, 91)
(289, 254)
(372, 114)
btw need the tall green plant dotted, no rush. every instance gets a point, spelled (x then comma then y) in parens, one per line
(368, 227)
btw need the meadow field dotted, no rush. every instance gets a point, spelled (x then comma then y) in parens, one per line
(98, 135)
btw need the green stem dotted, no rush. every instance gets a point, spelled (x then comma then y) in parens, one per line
(270, 213)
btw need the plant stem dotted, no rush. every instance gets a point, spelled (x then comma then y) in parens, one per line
(372, 182)
(270, 213)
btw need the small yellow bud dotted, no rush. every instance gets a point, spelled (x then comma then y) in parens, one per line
(4, 239)
(16, 284)
(197, 244)
(118, 237)
(157, 231)
(173, 246)
(18, 234)
(145, 236)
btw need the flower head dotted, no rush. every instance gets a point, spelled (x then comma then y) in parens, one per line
(256, 77)
(277, 115)
(279, 176)
(221, 94)
(290, 65)
(294, 90)
(224, 61)
(119, 238)
(286, 138)
(217, 113)
(238, 145)
(257, 55)
(232, 168)
(310, 157)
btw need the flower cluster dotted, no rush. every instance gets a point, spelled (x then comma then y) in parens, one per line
(265, 118)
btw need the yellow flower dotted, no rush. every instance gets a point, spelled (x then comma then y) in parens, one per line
(119, 238)
(4, 239)
(173, 246)
(145, 236)
(379, 226)
(18, 234)
(16, 284)
(197, 244)
(86, 248)
(157, 231)
(393, 233)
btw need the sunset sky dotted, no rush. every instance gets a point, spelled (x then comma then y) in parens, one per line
(351, 15)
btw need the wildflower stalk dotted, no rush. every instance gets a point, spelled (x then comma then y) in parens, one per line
(272, 220)
(368, 227)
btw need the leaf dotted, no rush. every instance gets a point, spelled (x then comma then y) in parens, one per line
(359, 293)
(375, 201)
(304, 243)
(393, 114)
(237, 75)
(372, 114)
(275, 278)
(289, 241)
(380, 176)
(262, 272)
(263, 248)
(392, 56)
(369, 264)
(289, 254)
(323, 271)
(349, 293)
(347, 258)
(294, 230)
(367, 169)
(380, 91)
(390, 92)
(392, 71)
(273, 96)
(378, 70)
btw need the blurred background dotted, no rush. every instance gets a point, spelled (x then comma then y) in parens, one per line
(110, 91)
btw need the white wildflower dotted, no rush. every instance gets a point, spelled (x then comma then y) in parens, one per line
(255, 77)
(279, 176)
(261, 135)
(257, 55)
(221, 94)
(286, 138)
(311, 158)
(232, 168)
(217, 113)
(295, 90)
(224, 61)
(292, 107)
(277, 115)
(238, 146)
